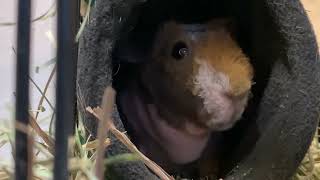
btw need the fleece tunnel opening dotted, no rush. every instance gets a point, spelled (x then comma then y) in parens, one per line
(183, 76)
(174, 34)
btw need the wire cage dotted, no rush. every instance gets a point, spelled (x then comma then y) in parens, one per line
(67, 53)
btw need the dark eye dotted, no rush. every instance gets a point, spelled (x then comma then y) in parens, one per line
(180, 50)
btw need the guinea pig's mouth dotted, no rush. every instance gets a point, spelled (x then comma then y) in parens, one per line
(223, 112)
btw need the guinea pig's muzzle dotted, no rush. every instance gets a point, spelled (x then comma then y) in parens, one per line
(221, 109)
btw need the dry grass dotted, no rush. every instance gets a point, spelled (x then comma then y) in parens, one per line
(310, 166)
(106, 123)
(82, 156)
(86, 158)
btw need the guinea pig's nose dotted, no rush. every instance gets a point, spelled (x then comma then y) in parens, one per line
(238, 94)
(240, 89)
(242, 95)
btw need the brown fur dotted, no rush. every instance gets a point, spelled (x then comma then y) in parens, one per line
(175, 81)
(226, 56)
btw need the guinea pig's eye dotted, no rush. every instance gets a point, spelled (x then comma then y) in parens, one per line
(180, 50)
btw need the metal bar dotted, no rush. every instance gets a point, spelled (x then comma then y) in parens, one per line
(22, 89)
(76, 16)
(66, 78)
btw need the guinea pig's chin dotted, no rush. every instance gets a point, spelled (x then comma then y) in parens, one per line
(215, 125)
(224, 116)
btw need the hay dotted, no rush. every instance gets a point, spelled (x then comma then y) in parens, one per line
(82, 158)
(310, 166)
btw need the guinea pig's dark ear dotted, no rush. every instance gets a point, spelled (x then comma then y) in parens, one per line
(228, 24)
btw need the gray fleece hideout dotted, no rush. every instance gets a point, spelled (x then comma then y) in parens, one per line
(281, 120)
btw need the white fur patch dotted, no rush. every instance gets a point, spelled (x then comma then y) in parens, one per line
(212, 86)
(208, 81)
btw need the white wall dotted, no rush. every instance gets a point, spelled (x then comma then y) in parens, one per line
(42, 50)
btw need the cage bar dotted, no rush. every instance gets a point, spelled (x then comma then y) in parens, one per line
(22, 89)
(68, 20)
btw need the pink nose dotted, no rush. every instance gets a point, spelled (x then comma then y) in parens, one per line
(238, 96)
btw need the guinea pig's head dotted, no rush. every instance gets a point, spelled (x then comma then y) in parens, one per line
(198, 77)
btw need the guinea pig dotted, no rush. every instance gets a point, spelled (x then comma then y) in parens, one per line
(195, 83)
